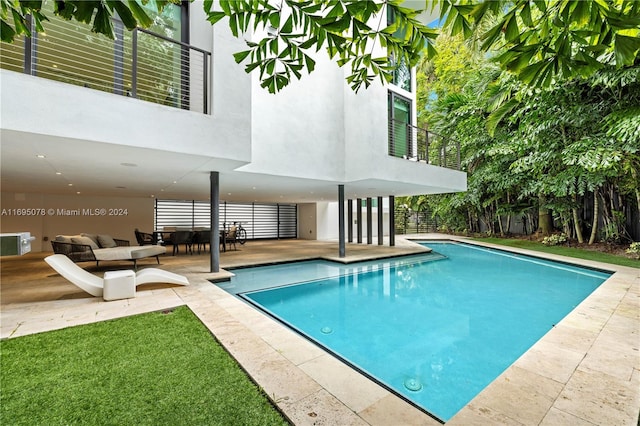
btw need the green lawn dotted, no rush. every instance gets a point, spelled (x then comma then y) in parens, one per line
(161, 368)
(564, 251)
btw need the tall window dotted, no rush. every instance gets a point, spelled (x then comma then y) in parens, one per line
(399, 126)
(402, 74)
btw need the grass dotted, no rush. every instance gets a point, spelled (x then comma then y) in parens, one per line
(564, 251)
(150, 369)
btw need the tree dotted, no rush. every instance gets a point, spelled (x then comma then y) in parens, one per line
(95, 12)
(541, 41)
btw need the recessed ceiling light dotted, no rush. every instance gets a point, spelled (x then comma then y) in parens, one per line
(58, 173)
(78, 192)
(153, 196)
(175, 181)
(70, 184)
(254, 187)
(129, 164)
(41, 156)
(228, 193)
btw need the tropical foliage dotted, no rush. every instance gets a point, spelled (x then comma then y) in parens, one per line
(550, 158)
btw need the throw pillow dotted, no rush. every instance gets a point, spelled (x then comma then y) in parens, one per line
(106, 241)
(86, 241)
(94, 237)
(63, 239)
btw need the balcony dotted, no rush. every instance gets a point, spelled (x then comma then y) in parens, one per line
(140, 64)
(417, 144)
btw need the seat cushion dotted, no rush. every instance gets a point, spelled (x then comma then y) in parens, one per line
(147, 251)
(128, 252)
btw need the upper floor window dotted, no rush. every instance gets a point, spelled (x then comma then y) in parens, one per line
(402, 74)
(155, 65)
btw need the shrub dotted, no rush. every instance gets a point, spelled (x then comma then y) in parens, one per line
(554, 240)
(634, 248)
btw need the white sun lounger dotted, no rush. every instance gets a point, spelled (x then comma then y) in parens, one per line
(115, 284)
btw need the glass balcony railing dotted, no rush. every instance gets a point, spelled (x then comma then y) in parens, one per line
(139, 63)
(417, 144)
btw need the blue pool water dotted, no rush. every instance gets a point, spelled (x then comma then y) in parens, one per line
(434, 328)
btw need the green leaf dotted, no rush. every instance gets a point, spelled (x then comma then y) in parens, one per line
(233, 24)
(308, 43)
(490, 37)
(310, 63)
(252, 66)
(125, 14)
(531, 72)
(7, 33)
(208, 6)
(20, 23)
(512, 32)
(226, 8)
(496, 117)
(102, 23)
(288, 25)
(215, 17)
(525, 15)
(84, 12)
(626, 49)
(241, 56)
(274, 19)
(270, 66)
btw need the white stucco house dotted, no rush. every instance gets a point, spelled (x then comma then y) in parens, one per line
(88, 123)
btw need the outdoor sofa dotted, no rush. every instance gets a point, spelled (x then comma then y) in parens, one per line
(102, 247)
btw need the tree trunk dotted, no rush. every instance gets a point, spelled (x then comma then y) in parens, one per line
(576, 224)
(508, 215)
(545, 221)
(596, 217)
(637, 190)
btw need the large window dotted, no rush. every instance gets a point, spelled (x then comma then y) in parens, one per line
(155, 65)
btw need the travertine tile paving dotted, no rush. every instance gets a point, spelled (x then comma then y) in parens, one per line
(585, 371)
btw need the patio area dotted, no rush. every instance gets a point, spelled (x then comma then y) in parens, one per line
(585, 371)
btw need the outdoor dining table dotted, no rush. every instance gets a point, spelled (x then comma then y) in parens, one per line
(159, 236)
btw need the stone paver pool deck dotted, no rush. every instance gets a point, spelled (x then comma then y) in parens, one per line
(585, 371)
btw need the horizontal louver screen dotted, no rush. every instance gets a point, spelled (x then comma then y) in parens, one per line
(261, 221)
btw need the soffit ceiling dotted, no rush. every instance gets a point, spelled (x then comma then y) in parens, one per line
(85, 168)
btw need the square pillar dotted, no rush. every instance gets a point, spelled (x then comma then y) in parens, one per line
(341, 248)
(369, 221)
(359, 219)
(380, 222)
(392, 221)
(350, 220)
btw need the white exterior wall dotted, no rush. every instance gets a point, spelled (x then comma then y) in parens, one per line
(300, 131)
(47, 107)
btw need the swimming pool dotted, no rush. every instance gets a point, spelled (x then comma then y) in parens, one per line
(435, 328)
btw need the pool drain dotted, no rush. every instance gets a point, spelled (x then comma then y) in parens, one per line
(412, 384)
(326, 330)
